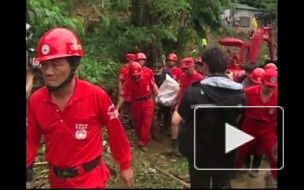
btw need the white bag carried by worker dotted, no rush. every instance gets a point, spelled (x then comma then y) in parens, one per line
(168, 91)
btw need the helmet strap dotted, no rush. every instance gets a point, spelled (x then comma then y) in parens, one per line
(64, 83)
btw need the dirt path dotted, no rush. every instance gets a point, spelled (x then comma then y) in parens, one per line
(146, 176)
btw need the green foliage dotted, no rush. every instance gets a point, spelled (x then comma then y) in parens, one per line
(263, 54)
(269, 6)
(207, 14)
(99, 72)
(45, 15)
(111, 28)
(41, 151)
(181, 166)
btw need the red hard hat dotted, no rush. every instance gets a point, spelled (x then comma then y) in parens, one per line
(270, 78)
(140, 56)
(135, 68)
(270, 66)
(130, 57)
(198, 60)
(58, 43)
(257, 75)
(186, 62)
(172, 57)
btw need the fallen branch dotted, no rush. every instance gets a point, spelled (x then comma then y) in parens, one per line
(41, 164)
(41, 176)
(186, 185)
(42, 172)
(90, 14)
(117, 178)
(97, 11)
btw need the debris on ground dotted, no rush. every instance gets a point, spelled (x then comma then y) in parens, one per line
(151, 170)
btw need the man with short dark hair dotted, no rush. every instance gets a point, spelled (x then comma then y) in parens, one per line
(217, 90)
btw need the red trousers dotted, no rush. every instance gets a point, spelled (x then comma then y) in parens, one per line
(94, 179)
(265, 140)
(142, 115)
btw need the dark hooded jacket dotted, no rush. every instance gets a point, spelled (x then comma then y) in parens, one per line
(210, 122)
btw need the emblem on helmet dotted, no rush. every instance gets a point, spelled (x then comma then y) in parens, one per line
(45, 49)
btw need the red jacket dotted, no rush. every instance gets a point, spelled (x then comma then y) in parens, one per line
(73, 137)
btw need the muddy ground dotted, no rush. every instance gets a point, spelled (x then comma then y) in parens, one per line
(154, 169)
(150, 169)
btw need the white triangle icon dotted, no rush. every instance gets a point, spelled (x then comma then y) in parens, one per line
(235, 138)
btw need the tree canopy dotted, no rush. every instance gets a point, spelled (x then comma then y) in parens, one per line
(108, 29)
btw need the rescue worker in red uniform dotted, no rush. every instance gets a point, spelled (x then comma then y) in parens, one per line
(71, 113)
(141, 59)
(140, 88)
(270, 66)
(199, 66)
(172, 68)
(261, 122)
(189, 76)
(256, 79)
(123, 75)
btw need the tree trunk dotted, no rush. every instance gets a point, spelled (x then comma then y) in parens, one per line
(142, 17)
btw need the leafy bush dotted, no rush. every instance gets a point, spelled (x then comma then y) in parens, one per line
(108, 29)
(45, 15)
(99, 73)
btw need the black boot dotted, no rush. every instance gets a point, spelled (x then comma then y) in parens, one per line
(173, 148)
(247, 161)
(256, 163)
(131, 124)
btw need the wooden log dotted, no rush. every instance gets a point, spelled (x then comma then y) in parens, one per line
(186, 185)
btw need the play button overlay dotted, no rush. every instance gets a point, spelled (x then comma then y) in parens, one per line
(235, 138)
(217, 140)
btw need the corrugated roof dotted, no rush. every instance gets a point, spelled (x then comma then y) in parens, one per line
(245, 7)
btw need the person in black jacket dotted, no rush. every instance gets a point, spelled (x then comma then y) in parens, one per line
(218, 90)
(163, 111)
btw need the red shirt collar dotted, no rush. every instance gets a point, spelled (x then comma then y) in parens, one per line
(78, 94)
